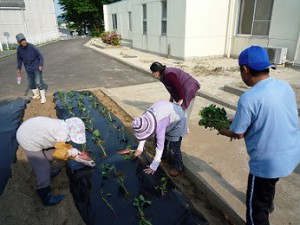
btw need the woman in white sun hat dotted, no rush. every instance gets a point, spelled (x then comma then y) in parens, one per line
(38, 136)
(167, 122)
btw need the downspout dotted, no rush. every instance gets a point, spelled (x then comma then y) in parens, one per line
(229, 29)
(297, 49)
(231, 6)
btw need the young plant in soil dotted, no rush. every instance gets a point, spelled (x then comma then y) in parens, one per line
(120, 179)
(96, 139)
(140, 203)
(88, 123)
(130, 155)
(214, 117)
(162, 186)
(106, 169)
(107, 203)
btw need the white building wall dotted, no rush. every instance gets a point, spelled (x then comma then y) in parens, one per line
(284, 30)
(37, 22)
(153, 41)
(206, 26)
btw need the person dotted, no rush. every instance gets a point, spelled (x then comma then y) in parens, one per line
(165, 120)
(33, 61)
(267, 118)
(38, 136)
(181, 86)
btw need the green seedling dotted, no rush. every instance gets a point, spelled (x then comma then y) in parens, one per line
(106, 169)
(80, 103)
(71, 94)
(121, 181)
(109, 116)
(108, 204)
(88, 123)
(162, 186)
(96, 133)
(214, 117)
(61, 95)
(85, 93)
(96, 139)
(140, 204)
(130, 156)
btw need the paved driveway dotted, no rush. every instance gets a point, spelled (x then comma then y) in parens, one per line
(70, 65)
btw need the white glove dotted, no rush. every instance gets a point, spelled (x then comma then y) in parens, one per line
(73, 152)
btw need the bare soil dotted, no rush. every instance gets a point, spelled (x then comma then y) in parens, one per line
(20, 204)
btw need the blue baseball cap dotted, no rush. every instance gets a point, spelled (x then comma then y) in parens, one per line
(256, 57)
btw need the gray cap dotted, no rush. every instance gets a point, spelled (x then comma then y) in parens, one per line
(20, 37)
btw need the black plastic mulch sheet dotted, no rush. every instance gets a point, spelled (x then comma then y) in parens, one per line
(11, 115)
(110, 193)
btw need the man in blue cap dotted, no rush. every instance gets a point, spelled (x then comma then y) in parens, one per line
(33, 62)
(267, 118)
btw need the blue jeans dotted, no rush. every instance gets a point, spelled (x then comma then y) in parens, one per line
(35, 80)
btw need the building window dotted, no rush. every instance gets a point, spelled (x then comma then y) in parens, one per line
(114, 21)
(255, 17)
(144, 19)
(129, 21)
(164, 18)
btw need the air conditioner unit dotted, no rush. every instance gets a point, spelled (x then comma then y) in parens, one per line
(277, 55)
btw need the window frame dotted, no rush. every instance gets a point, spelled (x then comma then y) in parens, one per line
(144, 21)
(114, 21)
(253, 20)
(164, 18)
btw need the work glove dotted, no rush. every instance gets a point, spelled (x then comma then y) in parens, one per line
(73, 152)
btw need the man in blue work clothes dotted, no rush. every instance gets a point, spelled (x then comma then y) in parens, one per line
(33, 62)
(267, 118)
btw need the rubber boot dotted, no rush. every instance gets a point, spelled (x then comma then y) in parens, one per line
(47, 198)
(43, 96)
(36, 93)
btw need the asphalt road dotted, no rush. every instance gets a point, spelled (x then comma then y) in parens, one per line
(70, 66)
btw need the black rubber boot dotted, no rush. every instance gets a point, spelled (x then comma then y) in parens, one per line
(47, 198)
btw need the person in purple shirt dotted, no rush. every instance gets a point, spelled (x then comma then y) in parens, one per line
(33, 62)
(165, 120)
(181, 86)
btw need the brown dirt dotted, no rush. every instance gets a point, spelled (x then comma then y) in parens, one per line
(20, 204)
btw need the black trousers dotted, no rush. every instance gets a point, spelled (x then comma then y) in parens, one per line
(259, 202)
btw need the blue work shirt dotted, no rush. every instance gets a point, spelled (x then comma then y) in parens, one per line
(268, 116)
(30, 56)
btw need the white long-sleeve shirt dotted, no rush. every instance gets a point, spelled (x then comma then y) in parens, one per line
(40, 133)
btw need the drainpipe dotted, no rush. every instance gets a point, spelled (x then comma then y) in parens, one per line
(230, 20)
(297, 49)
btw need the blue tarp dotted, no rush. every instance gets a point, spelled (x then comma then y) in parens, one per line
(11, 115)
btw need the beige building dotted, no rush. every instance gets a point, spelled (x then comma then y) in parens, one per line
(201, 28)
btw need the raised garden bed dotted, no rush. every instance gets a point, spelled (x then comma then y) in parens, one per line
(117, 191)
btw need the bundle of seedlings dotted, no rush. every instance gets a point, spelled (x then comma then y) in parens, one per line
(214, 117)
